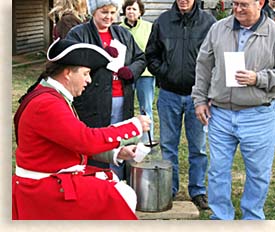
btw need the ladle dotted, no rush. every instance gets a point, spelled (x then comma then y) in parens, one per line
(150, 144)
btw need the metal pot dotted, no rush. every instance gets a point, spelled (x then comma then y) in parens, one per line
(152, 181)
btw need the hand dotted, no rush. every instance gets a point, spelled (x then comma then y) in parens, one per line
(203, 113)
(145, 122)
(246, 77)
(127, 153)
(125, 73)
(113, 52)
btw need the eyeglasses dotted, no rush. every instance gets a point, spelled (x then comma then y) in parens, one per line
(242, 5)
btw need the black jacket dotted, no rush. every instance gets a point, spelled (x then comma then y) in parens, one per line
(269, 11)
(173, 47)
(95, 104)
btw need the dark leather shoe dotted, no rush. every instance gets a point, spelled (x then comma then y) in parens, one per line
(201, 201)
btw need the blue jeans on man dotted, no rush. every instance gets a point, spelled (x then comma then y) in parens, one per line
(171, 109)
(253, 129)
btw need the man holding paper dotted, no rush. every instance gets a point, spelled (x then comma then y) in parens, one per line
(241, 114)
(110, 97)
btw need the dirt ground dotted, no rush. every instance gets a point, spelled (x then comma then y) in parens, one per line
(30, 58)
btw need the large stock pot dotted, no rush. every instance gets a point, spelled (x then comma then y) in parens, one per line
(152, 181)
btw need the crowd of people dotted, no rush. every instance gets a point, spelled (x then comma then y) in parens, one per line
(76, 129)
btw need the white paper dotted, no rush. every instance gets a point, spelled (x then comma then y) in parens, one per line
(141, 152)
(234, 61)
(119, 61)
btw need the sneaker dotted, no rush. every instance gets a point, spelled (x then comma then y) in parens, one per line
(201, 201)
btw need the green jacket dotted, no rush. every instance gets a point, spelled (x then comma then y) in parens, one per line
(141, 33)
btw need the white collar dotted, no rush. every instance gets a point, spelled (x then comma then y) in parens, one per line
(57, 85)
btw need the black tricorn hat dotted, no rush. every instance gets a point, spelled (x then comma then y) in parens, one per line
(69, 52)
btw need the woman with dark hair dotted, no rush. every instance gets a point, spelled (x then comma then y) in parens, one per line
(133, 10)
(140, 29)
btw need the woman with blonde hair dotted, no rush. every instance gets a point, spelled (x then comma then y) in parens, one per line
(67, 14)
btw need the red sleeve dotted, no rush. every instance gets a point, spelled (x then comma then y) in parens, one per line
(54, 120)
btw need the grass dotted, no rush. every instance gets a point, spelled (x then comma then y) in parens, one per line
(23, 77)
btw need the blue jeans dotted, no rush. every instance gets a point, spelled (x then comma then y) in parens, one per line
(117, 109)
(145, 88)
(171, 108)
(117, 116)
(253, 129)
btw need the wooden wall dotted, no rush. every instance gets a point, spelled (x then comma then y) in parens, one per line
(153, 8)
(31, 26)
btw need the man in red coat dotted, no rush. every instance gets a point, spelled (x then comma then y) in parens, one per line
(52, 180)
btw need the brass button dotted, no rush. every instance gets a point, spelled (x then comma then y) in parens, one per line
(61, 190)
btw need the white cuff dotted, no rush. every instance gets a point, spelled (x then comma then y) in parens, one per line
(133, 120)
(138, 125)
(115, 159)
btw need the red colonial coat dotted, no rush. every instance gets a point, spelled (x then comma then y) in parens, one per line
(51, 138)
